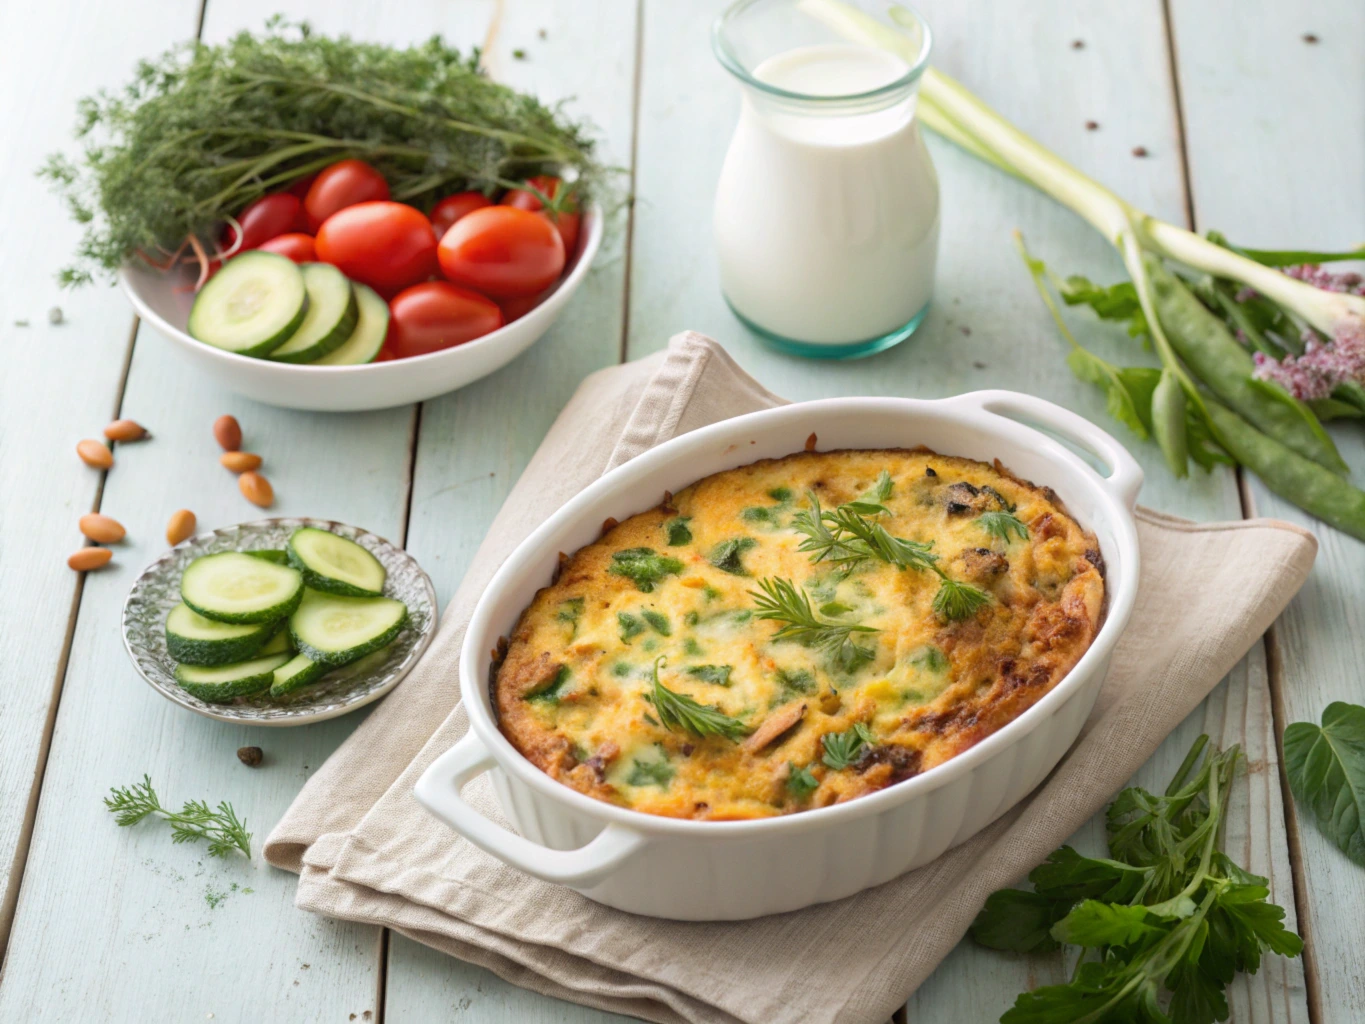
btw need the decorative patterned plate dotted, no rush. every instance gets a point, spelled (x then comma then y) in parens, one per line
(344, 689)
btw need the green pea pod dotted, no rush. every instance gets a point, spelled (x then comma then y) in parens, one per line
(1305, 483)
(1168, 422)
(1213, 355)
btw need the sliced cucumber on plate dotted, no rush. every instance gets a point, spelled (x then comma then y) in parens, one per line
(335, 564)
(370, 330)
(224, 682)
(277, 555)
(252, 306)
(331, 317)
(233, 587)
(334, 630)
(280, 643)
(298, 672)
(195, 640)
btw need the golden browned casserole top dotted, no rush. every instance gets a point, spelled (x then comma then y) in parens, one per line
(799, 632)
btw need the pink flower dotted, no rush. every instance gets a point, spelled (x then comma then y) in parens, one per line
(1321, 367)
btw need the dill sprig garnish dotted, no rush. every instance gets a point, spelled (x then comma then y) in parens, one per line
(956, 601)
(1002, 524)
(782, 601)
(680, 713)
(842, 749)
(222, 828)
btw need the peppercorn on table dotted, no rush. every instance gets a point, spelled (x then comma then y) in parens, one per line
(1245, 117)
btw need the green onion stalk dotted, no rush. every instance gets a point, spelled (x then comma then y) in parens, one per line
(1255, 347)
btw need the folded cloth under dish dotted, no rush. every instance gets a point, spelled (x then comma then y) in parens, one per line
(366, 851)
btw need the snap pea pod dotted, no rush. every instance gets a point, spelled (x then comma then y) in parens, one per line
(1205, 345)
(1302, 481)
(1168, 422)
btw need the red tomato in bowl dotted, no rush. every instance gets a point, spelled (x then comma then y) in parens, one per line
(502, 251)
(387, 246)
(264, 219)
(564, 216)
(515, 309)
(296, 245)
(436, 315)
(452, 208)
(344, 184)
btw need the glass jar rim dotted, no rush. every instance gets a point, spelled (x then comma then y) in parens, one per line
(731, 62)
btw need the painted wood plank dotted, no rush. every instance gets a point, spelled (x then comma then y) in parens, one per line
(60, 383)
(119, 922)
(475, 443)
(1276, 147)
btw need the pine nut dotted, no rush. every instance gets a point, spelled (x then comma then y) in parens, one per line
(256, 489)
(228, 433)
(90, 558)
(94, 454)
(102, 529)
(124, 431)
(180, 527)
(240, 462)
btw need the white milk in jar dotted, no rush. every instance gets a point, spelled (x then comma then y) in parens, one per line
(826, 214)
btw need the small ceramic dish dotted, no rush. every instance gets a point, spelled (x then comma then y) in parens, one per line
(344, 689)
(164, 299)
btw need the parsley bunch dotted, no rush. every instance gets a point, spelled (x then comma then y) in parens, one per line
(1164, 923)
(201, 131)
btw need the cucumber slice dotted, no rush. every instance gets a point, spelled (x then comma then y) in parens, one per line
(335, 564)
(232, 587)
(370, 330)
(280, 643)
(252, 306)
(331, 317)
(334, 630)
(277, 555)
(195, 640)
(227, 681)
(298, 672)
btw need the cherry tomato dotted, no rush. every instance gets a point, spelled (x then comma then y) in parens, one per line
(387, 246)
(264, 219)
(343, 184)
(503, 252)
(385, 355)
(436, 315)
(296, 245)
(452, 208)
(515, 309)
(565, 216)
(299, 186)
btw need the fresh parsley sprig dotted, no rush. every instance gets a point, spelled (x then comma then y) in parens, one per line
(1002, 525)
(680, 713)
(225, 832)
(780, 600)
(842, 749)
(1167, 918)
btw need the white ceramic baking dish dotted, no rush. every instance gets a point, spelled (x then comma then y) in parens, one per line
(711, 871)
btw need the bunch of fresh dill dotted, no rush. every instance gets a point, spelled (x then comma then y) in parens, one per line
(203, 130)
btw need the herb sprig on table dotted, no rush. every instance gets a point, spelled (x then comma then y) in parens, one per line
(225, 832)
(202, 131)
(1164, 923)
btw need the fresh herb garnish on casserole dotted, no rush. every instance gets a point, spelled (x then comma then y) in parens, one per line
(869, 629)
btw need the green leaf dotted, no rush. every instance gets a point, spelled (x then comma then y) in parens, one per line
(1092, 923)
(552, 691)
(650, 773)
(629, 626)
(680, 713)
(1002, 525)
(1326, 768)
(657, 622)
(800, 782)
(677, 532)
(844, 748)
(1018, 921)
(728, 555)
(1297, 257)
(718, 675)
(644, 567)
(1118, 302)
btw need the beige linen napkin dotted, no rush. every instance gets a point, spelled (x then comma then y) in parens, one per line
(367, 851)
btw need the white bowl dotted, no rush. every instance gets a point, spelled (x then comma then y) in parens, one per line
(741, 869)
(164, 299)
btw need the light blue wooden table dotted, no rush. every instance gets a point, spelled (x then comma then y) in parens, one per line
(1248, 127)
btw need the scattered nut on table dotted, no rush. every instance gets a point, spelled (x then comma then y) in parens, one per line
(87, 559)
(102, 529)
(256, 489)
(228, 432)
(124, 431)
(240, 462)
(180, 527)
(95, 454)
(250, 756)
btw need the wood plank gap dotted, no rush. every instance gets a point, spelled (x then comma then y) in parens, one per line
(414, 436)
(900, 1016)
(1186, 186)
(630, 194)
(10, 902)
(381, 978)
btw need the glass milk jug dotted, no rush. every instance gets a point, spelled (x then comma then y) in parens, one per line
(827, 208)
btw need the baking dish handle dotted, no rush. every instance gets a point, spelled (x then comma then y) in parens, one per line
(438, 790)
(1125, 475)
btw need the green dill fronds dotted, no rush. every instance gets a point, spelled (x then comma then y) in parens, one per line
(222, 828)
(844, 748)
(780, 600)
(957, 601)
(1002, 525)
(680, 713)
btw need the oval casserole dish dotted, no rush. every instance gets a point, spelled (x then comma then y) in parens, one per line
(735, 869)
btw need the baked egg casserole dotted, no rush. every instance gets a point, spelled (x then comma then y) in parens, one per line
(799, 632)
